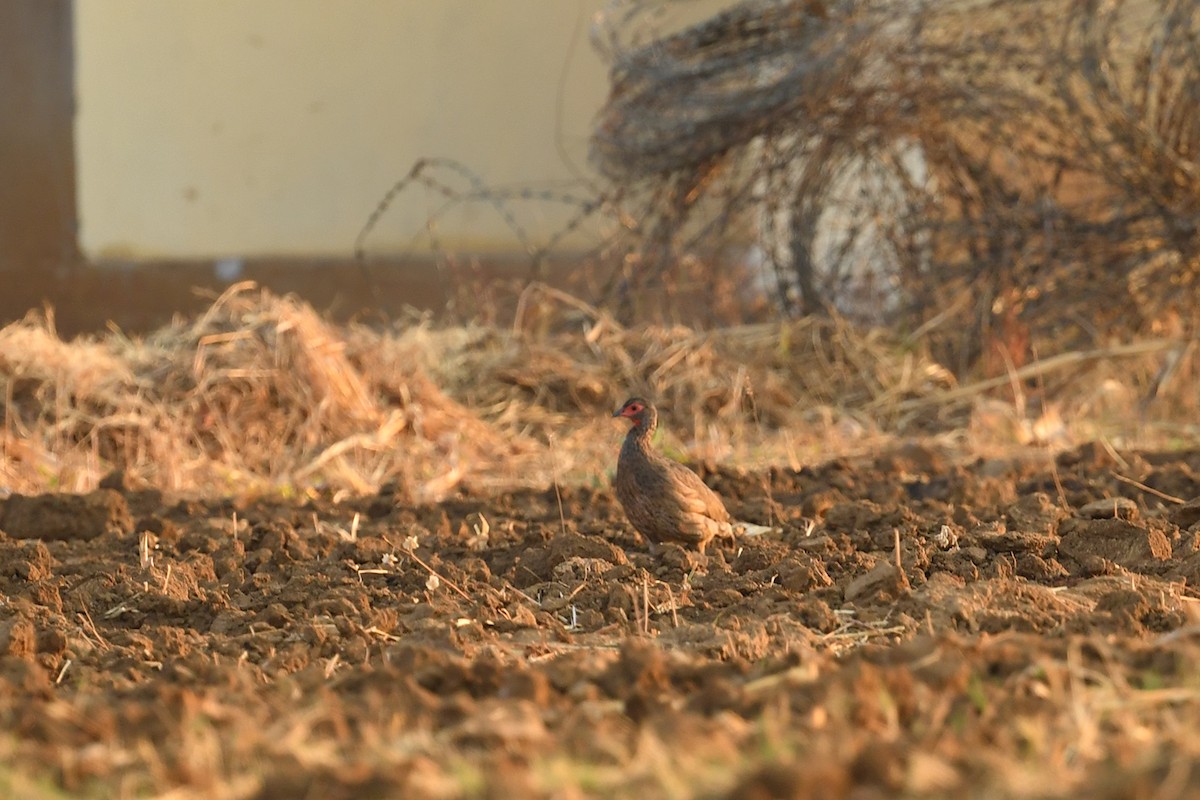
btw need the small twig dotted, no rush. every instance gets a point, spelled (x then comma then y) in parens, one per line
(121, 608)
(646, 603)
(413, 555)
(562, 519)
(359, 571)
(865, 633)
(1108, 448)
(374, 630)
(144, 557)
(62, 672)
(674, 613)
(86, 618)
(637, 612)
(1041, 383)
(577, 590)
(1035, 369)
(563, 297)
(332, 665)
(1168, 497)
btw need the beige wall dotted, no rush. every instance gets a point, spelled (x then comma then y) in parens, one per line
(211, 128)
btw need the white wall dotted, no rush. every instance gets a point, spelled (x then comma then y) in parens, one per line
(211, 128)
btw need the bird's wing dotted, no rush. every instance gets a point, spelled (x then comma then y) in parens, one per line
(694, 495)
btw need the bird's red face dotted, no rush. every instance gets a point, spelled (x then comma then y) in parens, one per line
(634, 409)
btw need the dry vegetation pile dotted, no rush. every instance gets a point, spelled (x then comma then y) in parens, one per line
(260, 395)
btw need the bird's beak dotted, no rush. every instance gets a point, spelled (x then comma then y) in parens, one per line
(617, 413)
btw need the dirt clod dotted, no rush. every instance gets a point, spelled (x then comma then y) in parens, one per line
(66, 516)
(884, 582)
(1114, 540)
(1109, 508)
(18, 638)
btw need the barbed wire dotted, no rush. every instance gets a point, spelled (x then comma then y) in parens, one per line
(435, 175)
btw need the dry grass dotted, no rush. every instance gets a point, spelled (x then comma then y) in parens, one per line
(257, 394)
(261, 395)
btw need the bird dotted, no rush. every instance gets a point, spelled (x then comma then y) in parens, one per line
(664, 500)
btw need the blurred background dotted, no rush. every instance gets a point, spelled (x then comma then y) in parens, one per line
(995, 178)
(151, 147)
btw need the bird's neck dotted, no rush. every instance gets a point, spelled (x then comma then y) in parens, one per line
(641, 435)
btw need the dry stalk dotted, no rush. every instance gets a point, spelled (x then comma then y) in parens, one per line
(122, 607)
(1037, 369)
(432, 572)
(562, 519)
(1041, 383)
(1148, 489)
(62, 673)
(645, 604)
(85, 618)
(674, 606)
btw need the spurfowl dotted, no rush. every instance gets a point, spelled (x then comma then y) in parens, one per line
(665, 501)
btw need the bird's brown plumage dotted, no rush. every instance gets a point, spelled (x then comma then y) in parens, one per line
(664, 500)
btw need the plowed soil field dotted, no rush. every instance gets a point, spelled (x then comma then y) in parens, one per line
(918, 627)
